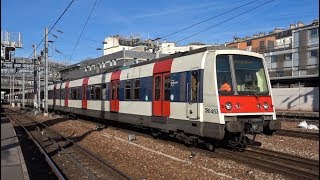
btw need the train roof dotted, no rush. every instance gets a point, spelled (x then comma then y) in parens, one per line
(172, 56)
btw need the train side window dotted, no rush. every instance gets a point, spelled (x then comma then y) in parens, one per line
(104, 91)
(136, 89)
(118, 89)
(97, 92)
(182, 87)
(194, 85)
(91, 92)
(74, 93)
(127, 90)
(78, 93)
(63, 94)
(167, 85)
(58, 94)
(70, 97)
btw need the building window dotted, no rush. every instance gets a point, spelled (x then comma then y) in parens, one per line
(261, 45)
(287, 57)
(313, 53)
(270, 45)
(127, 90)
(273, 59)
(279, 73)
(313, 57)
(136, 89)
(287, 60)
(314, 33)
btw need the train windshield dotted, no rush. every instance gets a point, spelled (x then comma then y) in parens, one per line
(249, 75)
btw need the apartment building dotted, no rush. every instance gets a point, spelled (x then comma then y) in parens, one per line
(292, 55)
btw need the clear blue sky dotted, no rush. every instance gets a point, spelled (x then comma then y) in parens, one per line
(144, 18)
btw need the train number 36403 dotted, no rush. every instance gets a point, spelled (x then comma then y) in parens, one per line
(210, 110)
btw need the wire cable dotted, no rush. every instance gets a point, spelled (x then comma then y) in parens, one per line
(195, 24)
(52, 26)
(95, 2)
(225, 21)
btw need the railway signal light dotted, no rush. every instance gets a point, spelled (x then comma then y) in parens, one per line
(7, 53)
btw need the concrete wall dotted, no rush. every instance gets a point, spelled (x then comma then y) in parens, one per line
(296, 99)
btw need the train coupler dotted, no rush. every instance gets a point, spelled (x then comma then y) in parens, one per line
(253, 141)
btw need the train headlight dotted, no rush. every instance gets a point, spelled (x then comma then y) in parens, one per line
(258, 106)
(237, 106)
(228, 105)
(265, 105)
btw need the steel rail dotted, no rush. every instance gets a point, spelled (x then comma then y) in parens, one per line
(90, 154)
(299, 134)
(50, 162)
(275, 162)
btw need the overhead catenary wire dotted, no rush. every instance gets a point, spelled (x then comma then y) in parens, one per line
(233, 17)
(195, 24)
(95, 2)
(213, 18)
(53, 27)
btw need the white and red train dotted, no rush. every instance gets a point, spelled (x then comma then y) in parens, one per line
(180, 94)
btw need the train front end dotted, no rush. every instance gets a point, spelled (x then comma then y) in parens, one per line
(244, 97)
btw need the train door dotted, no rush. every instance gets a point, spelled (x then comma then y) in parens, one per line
(84, 100)
(193, 94)
(161, 95)
(114, 100)
(60, 96)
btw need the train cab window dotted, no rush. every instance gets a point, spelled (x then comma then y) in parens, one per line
(167, 86)
(127, 90)
(104, 91)
(136, 89)
(97, 92)
(224, 80)
(194, 85)
(250, 75)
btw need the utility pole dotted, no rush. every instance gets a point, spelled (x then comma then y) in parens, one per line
(39, 83)
(34, 74)
(23, 85)
(10, 95)
(13, 87)
(46, 73)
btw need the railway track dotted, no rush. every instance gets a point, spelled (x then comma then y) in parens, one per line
(272, 161)
(299, 134)
(66, 157)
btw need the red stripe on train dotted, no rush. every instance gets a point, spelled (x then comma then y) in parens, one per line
(67, 94)
(162, 66)
(245, 104)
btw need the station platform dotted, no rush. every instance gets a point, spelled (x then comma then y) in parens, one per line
(12, 161)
